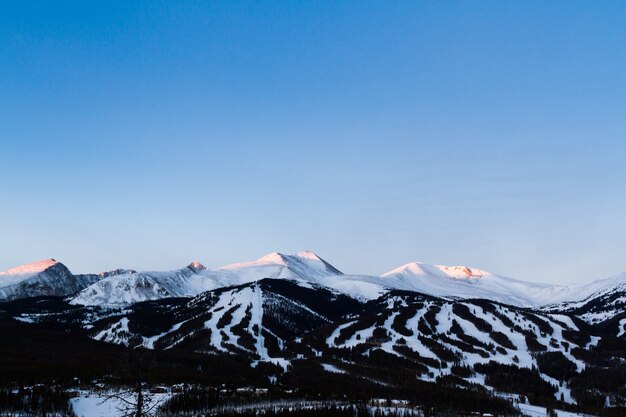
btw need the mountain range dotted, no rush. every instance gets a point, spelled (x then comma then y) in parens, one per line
(124, 286)
(435, 323)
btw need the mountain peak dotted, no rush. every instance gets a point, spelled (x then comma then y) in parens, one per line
(197, 266)
(31, 268)
(414, 268)
(45, 277)
(282, 259)
(273, 258)
(422, 269)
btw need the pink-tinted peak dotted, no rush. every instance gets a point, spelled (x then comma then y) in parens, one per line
(31, 268)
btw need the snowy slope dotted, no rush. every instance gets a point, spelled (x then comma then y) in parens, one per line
(255, 319)
(432, 331)
(464, 282)
(607, 300)
(441, 281)
(142, 286)
(461, 282)
(46, 277)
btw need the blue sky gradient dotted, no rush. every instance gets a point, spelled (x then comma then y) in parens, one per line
(149, 134)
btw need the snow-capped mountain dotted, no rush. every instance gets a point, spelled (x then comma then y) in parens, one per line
(45, 277)
(304, 265)
(134, 287)
(462, 282)
(307, 267)
(195, 278)
(453, 282)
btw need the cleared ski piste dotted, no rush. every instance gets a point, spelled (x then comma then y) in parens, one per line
(537, 411)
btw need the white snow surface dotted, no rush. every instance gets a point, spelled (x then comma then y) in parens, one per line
(464, 282)
(461, 282)
(97, 404)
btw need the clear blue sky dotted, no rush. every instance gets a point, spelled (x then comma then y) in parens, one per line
(148, 134)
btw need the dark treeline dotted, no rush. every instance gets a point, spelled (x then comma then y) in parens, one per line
(35, 401)
(339, 411)
(308, 382)
(50, 355)
(324, 411)
(511, 378)
(313, 383)
(36, 354)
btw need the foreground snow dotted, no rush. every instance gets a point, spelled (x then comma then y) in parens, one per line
(97, 405)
